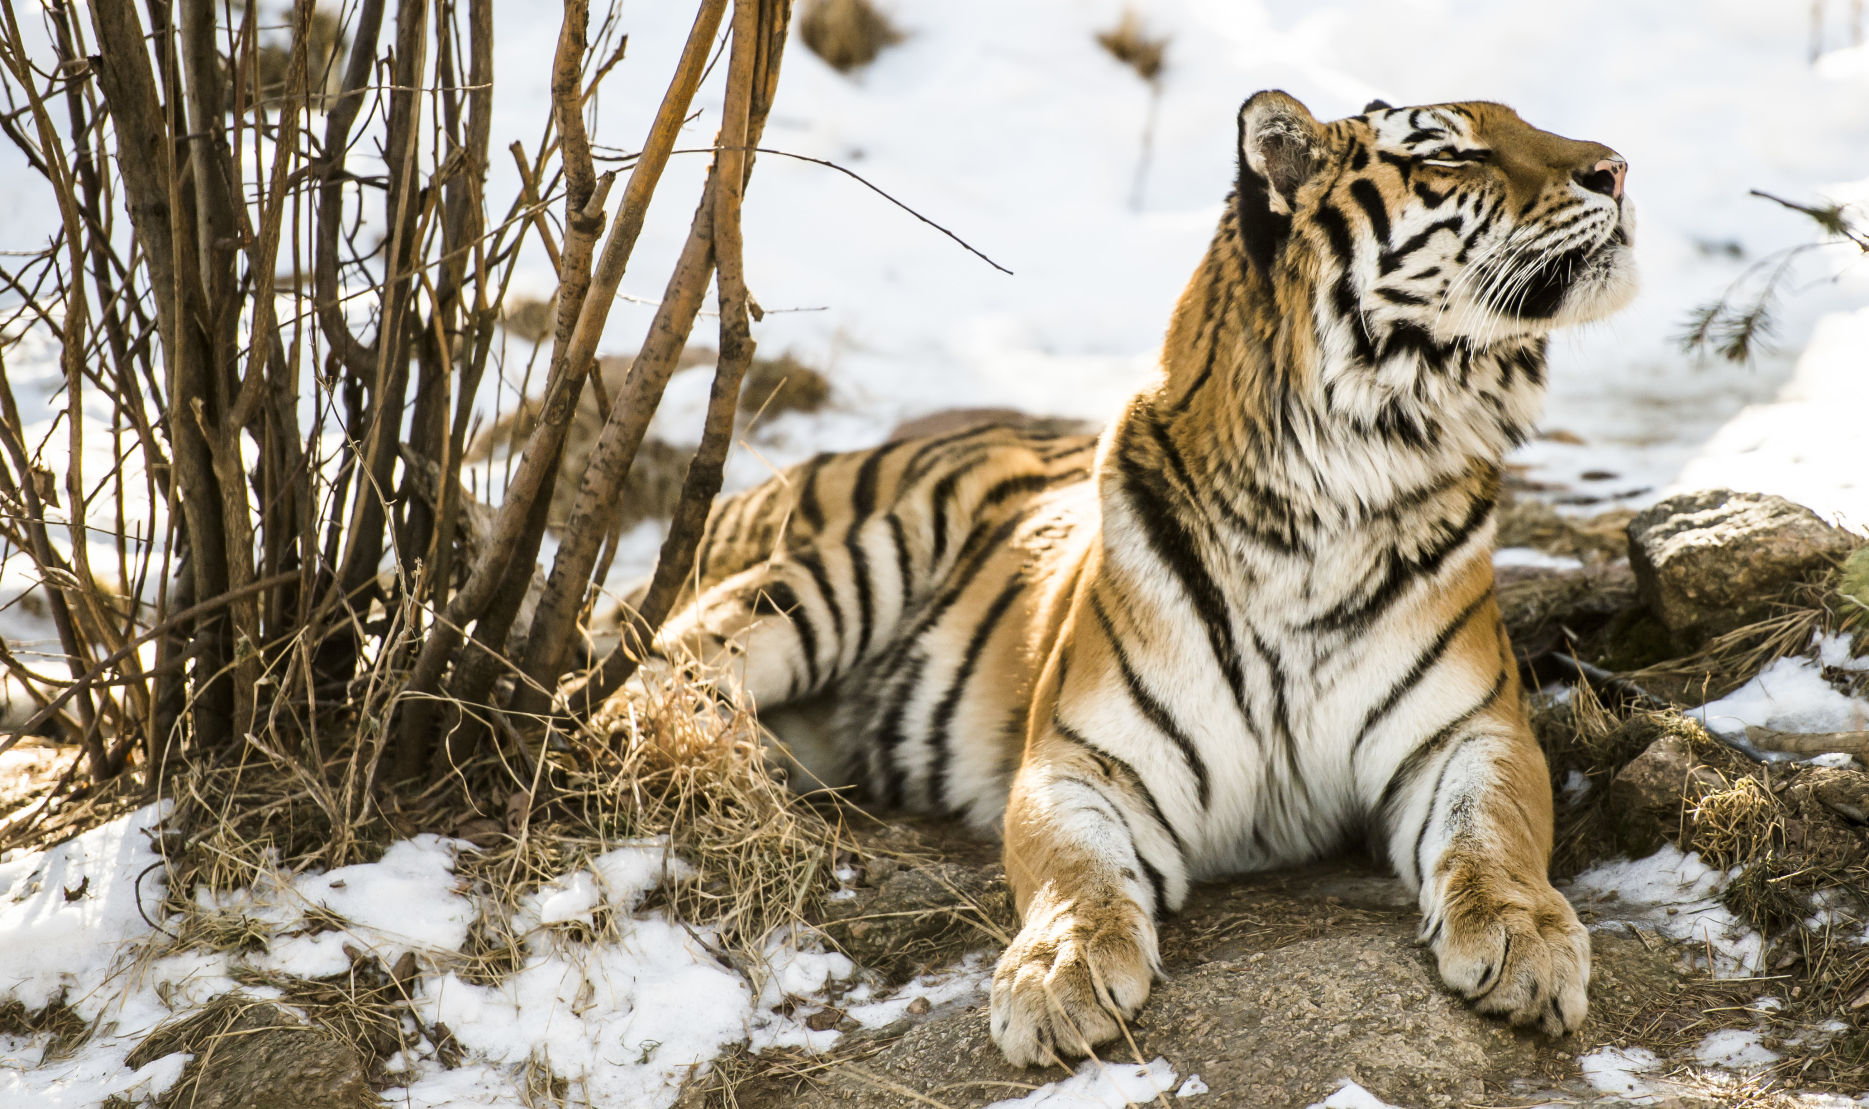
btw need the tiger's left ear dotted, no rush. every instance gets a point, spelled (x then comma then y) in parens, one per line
(1279, 140)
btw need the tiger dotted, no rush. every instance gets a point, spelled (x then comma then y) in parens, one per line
(1253, 619)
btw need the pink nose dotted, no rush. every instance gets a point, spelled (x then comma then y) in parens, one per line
(1605, 177)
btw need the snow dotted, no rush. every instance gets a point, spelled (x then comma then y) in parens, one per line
(1676, 895)
(1193, 1087)
(65, 914)
(1735, 1049)
(1099, 1085)
(1352, 1096)
(1533, 558)
(965, 983)
(1619, 1070)
(1790, 695)
(624, 1017)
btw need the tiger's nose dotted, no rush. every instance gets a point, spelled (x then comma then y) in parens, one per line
(1605, 177)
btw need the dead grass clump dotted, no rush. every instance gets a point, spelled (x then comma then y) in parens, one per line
(64, 1030)
(1128, 42)
(847, 34)
(529, 318)
(1740, 822)
(684, 767)
(1529, 522)
(784, 384)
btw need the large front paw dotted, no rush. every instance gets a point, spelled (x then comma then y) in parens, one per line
(1513, 949)
(1075, 971)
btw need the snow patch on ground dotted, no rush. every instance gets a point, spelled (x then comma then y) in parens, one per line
(1676, 895)
(624, 1018)
(1352, 1096)
(1193, 1087)
(1790, 695)
(65, 914)
(1533, 558)
(1619, 1070)
(1735, 1049)
(1099, 1085)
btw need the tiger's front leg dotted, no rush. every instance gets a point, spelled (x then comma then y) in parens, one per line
(1469, 817)
(1086, 860)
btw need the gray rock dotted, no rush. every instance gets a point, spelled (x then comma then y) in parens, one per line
(1712, 561)
(254, 1053)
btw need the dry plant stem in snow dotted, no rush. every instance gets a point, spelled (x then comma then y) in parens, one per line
(553, 629)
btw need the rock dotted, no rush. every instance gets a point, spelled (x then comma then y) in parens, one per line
(249, 1053)
(1716, 560)
(1268, 1029)
(1643, 807)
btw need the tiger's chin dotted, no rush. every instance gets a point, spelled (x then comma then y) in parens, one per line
(1597, 282)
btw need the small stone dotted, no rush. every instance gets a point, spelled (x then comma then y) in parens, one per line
(919, 1007)
(824, 1019)
(1645, 798)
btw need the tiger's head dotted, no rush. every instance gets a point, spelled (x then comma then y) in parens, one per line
(1447, 224)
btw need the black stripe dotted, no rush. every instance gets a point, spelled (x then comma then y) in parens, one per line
(1423, 663)
(1429, 197)
(1337, 230)
(905, 571)
(1400, 572)
(776, 598)
(939, 499)
(938, 739)
(809, 509)
(1392, 259)
(1151, 707)
(1281, 717)
(862, 504)
(1365, 193)
(1135, 781)
(890, 733)
(1417, 759)
(1150, 501)
(815, 567)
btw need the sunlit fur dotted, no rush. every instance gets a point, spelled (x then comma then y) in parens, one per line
(1250, 622)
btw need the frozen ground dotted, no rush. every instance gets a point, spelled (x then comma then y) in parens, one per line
(623, 1011)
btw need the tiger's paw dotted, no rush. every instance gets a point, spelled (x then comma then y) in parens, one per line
(1514, 950)
(1076, 970)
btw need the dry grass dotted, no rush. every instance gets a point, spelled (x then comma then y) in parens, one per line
(529, 318)
(1130, 43)
(847, 34)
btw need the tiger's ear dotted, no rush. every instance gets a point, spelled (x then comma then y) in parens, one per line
(1279, 140)
(1377, 106)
